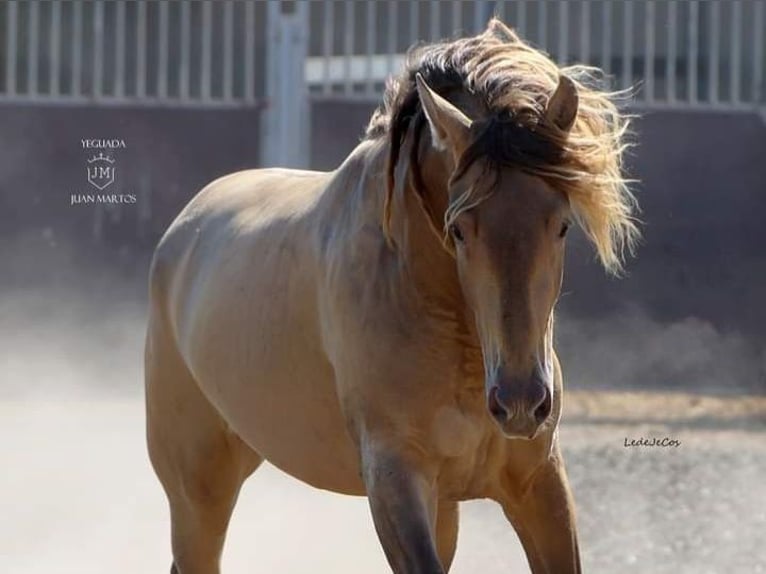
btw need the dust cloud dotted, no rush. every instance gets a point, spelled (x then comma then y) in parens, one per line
(630, 349)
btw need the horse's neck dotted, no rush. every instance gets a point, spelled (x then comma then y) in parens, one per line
(429, 264)
(356, 199)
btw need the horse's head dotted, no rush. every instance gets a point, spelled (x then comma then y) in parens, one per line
(509, 251)
(518, 150)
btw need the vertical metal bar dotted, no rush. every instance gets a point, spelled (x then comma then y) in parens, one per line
(606, 38)
(327, 44)
(249, 51)
(670, 68)
(11, 17)
(393, 26)
(736, 51)
(585, 32)
(76, 49)
(457, 15)
(649, 23)
(563, 40)
(693, 51)
(434, 12)
(370, 33)
(500, 9)
(758, 27)
(162, 58)
(542, 24)
(228, 50)
(54, 54)
(521, 16)
(119, 50)
(207, 45)
(478, 16)
(627, 46)
(348, 47)
(414, 22)
(33, 44)
(98, 48)
(301, 128)
(184, 70)
(140, 49)
(714, 52)
(270, 145)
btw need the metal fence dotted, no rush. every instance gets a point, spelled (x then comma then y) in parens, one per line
(680, 53)
(152, 52)
(213, 53)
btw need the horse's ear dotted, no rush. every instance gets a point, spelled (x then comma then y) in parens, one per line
(450, 128)
(496, 28)
(562, 107)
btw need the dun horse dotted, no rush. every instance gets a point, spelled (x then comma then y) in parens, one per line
(386, 329)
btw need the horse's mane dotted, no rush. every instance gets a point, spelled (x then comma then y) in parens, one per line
(511, 82)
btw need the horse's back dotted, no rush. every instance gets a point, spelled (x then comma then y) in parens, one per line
(234, 283)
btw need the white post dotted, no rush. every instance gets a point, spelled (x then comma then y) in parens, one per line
(285, 129)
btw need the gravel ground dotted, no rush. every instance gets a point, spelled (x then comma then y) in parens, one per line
(699, 508)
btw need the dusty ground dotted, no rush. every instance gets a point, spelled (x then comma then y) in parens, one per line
(78, 495)
(696, 508)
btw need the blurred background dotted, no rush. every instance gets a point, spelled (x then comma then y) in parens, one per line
(177, 93)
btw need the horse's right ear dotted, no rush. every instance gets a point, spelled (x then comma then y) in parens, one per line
(450, 128)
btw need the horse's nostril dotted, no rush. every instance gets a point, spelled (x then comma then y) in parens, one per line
(495, 407)
(543, 410)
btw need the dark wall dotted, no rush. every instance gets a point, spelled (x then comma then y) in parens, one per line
(169, 155)
(703, 194)
(702, 190)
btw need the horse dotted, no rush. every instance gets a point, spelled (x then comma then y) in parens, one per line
(386, 329)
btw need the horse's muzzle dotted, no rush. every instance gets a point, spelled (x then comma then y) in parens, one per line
(520, 409)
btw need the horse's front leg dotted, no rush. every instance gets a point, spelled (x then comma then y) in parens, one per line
(542, 513)
(403, 502)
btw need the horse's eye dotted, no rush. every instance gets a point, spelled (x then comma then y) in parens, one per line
(456, 233)
(564, 229)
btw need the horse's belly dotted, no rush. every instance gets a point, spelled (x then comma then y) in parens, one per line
(295, 423)
(267, 376)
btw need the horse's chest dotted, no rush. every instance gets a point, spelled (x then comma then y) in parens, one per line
(455, 433)
(465, 441)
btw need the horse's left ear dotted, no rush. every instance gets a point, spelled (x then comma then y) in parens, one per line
(450, 128)
(562, 106)
(502, 32)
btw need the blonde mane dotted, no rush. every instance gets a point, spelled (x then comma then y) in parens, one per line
(512, 83)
